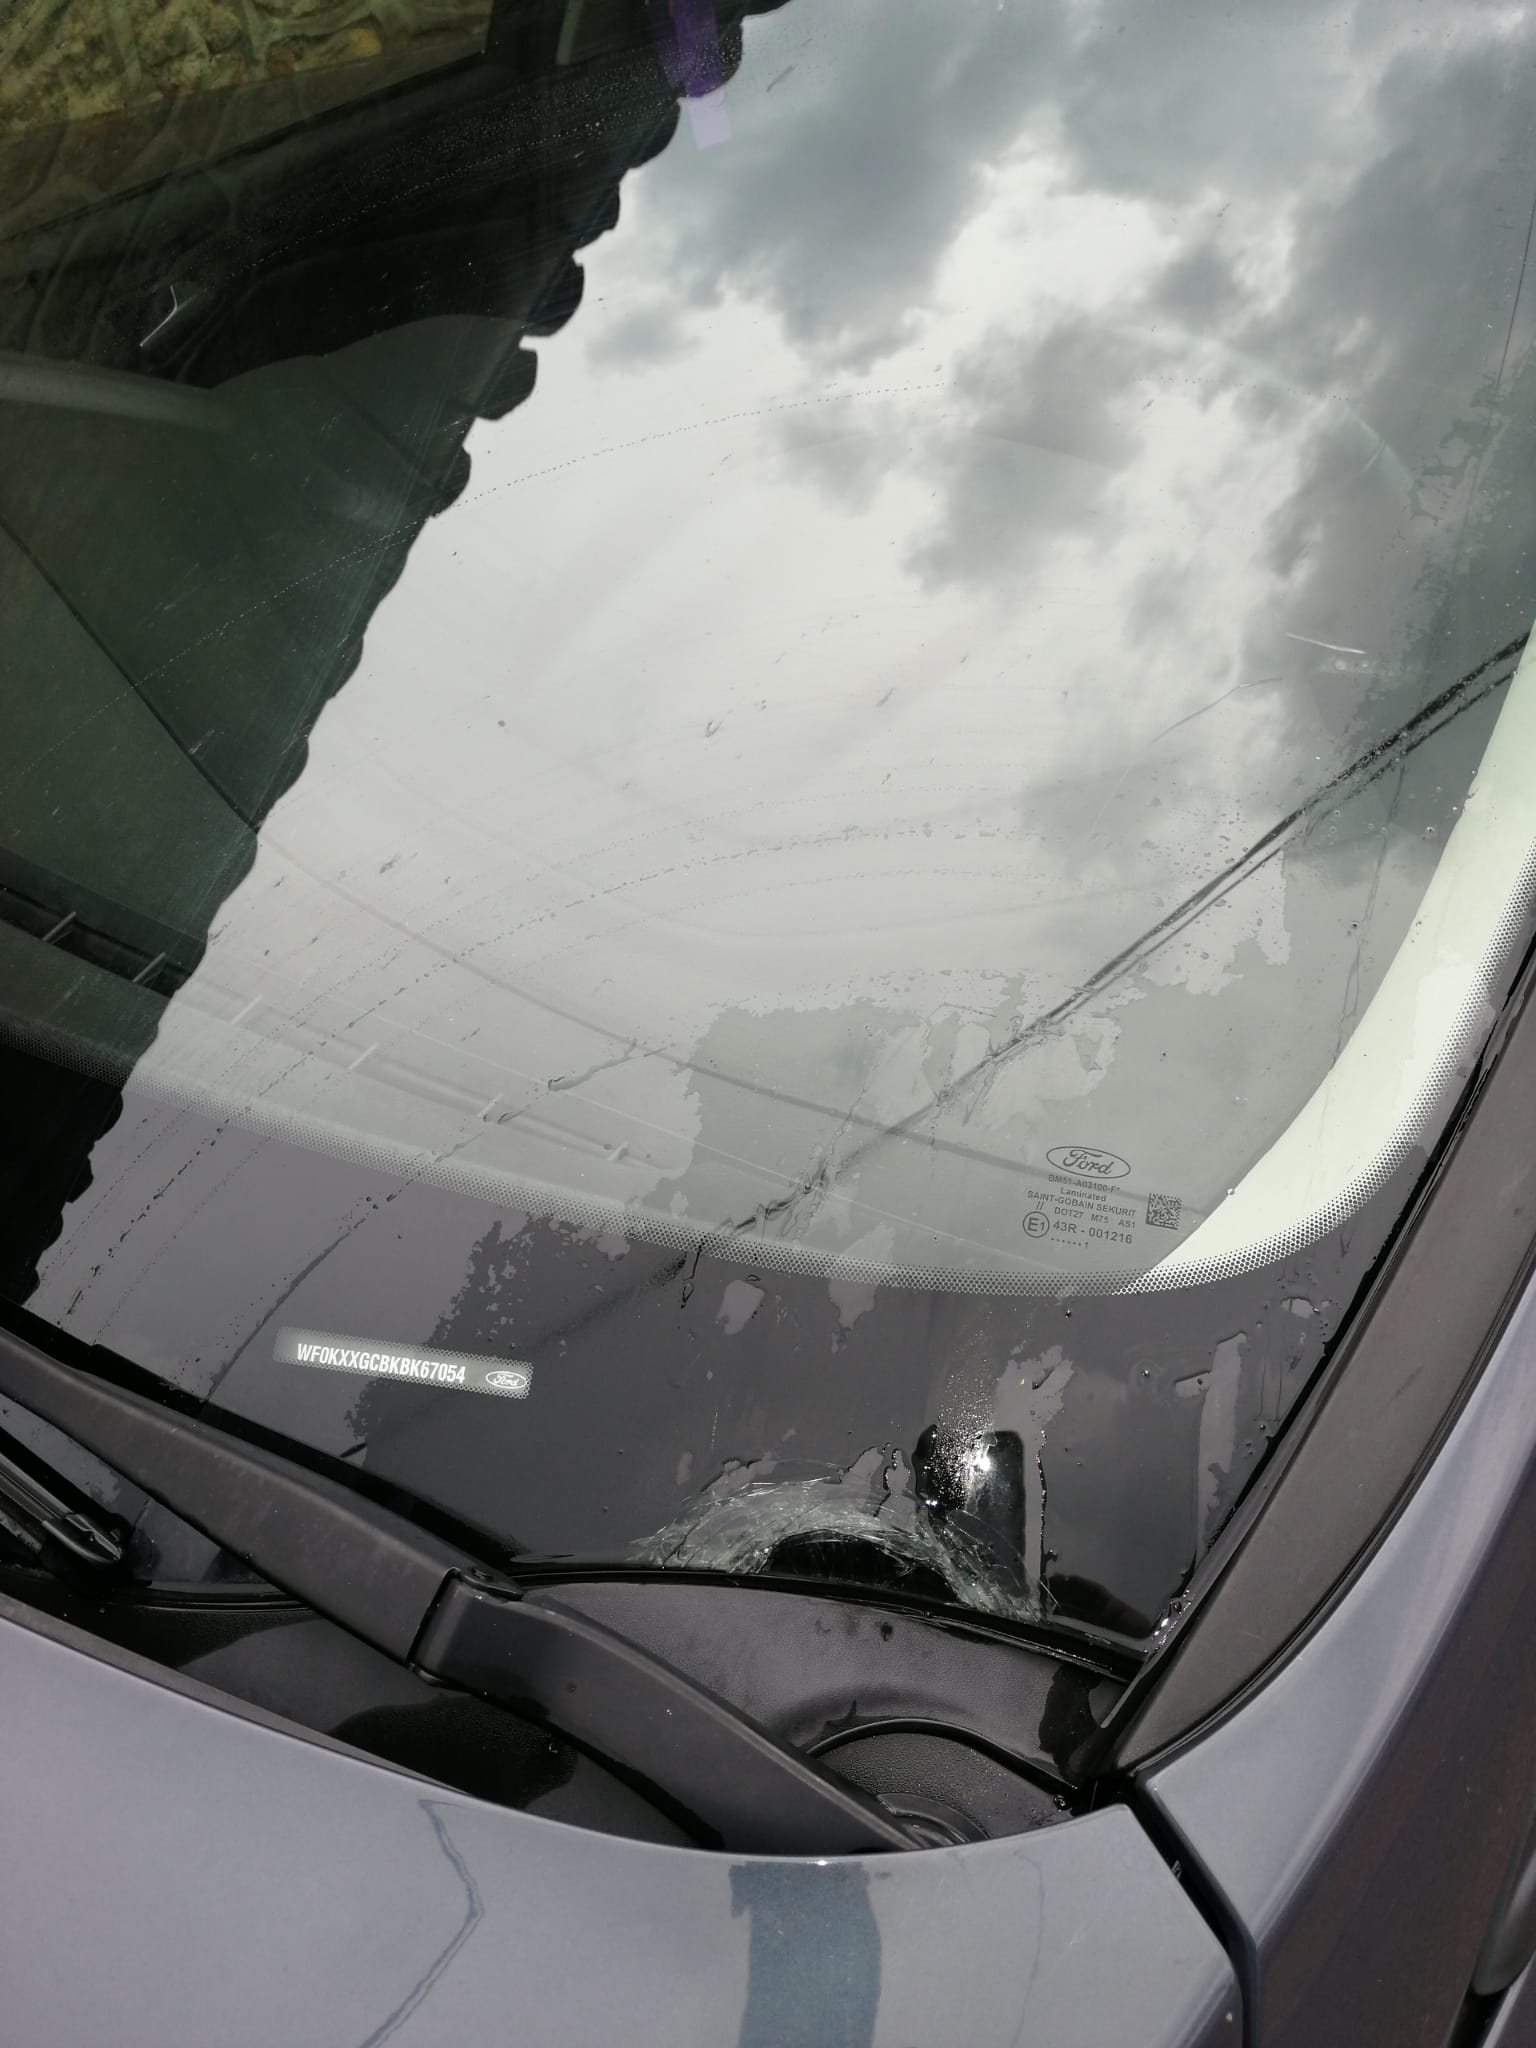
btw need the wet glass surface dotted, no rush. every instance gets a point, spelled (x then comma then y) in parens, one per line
(744, 709)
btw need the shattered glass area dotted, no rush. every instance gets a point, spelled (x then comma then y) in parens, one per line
(749, 1521)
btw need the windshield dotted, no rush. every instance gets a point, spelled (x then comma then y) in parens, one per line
(766, 768)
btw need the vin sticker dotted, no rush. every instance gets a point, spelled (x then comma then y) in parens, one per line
(510, 1377)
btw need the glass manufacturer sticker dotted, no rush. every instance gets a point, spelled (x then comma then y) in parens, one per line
(1088, 1208)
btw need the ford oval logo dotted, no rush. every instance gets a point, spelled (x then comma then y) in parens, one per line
(509, 1382)
(1089, 1162)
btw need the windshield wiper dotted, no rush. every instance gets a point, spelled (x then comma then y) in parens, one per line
(434, 1607)
(36, 1515)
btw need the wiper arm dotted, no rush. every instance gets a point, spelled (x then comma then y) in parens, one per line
(432, 1606)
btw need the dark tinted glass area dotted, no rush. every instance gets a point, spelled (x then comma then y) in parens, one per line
(765, 769)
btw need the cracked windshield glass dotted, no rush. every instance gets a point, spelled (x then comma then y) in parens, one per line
(767, 767)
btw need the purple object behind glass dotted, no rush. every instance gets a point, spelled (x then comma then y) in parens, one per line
(689, 42)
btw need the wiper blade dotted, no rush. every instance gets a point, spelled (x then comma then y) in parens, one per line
(39, 1518)
(434, 1607)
